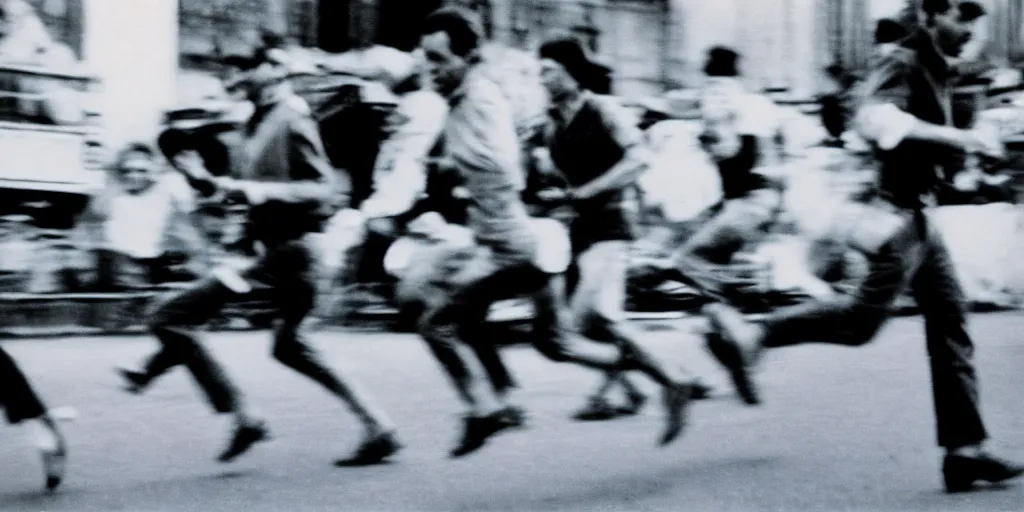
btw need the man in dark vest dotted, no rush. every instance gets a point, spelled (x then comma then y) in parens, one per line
(481, 142)
(282, 173)
(601, 153)
(904, 111)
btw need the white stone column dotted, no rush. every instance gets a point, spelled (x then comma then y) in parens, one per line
(132, 46)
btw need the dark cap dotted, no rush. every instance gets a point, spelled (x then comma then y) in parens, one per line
(570, 53)
(889, 31)
(970, 11)
(722, 61)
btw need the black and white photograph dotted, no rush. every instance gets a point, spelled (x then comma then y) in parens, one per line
(511, 255)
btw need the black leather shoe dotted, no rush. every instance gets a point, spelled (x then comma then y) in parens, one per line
(373, 451)
(243, 439)
(134, 381)
(477, 430)
(636, 404)
(598, 409)
(677, 401)
(54, 462)
(961, 472)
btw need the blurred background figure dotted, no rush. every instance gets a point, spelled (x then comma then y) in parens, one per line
(134, 220)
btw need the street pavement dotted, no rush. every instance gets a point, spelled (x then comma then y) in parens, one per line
(842, 429)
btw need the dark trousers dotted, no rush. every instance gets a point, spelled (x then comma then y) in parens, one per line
(461, 317)
(915, 257)
(286, 273)
(17, 398)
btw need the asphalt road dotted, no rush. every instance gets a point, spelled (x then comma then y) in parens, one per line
(842, 429)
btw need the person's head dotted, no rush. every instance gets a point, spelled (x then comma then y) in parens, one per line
(567, 69)
(888, 34)
(450, 39)
(971, 12)
(944, 21)
(719, 136)
(137, 167)
(721, 65)
(250, 74)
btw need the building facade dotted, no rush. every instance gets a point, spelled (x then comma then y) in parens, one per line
(151, 53)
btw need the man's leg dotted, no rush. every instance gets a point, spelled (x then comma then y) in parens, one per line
(961, 430)
(173, 324)
(850, 320)
(290, 271)
(713, 245)
(599, 307)
(456, 320)
(22, 405)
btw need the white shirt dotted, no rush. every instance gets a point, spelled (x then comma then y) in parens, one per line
(399, 175)
(137, 225)
(756, 114)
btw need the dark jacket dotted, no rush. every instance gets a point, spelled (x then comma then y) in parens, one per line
(282, 159)
(916, 79)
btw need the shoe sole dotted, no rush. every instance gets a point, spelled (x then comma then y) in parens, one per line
(263, 437)
(499, 428)
(962, 487)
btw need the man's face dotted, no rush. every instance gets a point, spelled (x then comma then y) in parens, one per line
(951, 33)
(137, 172)
(250, 84)
(556, 80)
(444, 69)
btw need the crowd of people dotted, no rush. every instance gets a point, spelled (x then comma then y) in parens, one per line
(282, 174)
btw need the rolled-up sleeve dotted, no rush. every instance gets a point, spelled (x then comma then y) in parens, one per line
(881, 115)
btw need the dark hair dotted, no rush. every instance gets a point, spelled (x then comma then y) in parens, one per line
(464, 28)
(570, 53)
(889, 31)
(133, 148)
(136, 147)
(933, 7)
(970, 11)
(722, 61)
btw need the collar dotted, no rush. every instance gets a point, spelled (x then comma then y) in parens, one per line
(460, 92)
(565, 112)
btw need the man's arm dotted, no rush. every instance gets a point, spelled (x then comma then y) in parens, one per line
(882, 116)
(634, 162)
(407, 179)
(313, 178)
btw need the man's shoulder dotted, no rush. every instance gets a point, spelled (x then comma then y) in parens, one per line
(900, 60)
(480, 89)
(294, 108)
(609, 106)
